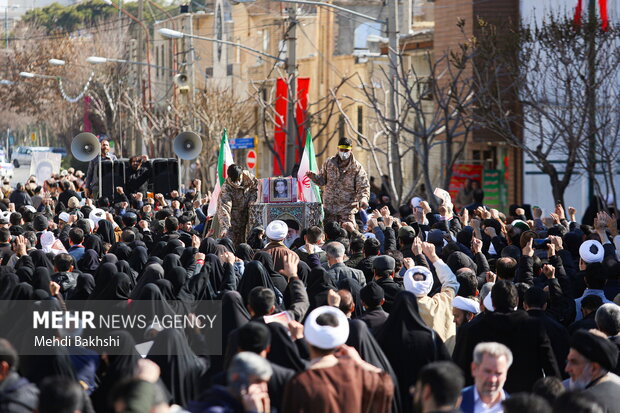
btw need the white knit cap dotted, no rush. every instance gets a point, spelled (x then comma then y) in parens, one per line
(326, 337)
(63, 216)
(466, 304)
(419, 288)
(591, 251)
(277, 230)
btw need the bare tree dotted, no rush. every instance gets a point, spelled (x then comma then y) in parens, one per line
(540, 82)
(436, 101)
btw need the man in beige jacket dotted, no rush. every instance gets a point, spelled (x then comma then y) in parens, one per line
(436, 311)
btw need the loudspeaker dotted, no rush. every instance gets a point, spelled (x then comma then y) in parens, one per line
(85, 147)
(187, 145)
(165, 177)
(113, 174)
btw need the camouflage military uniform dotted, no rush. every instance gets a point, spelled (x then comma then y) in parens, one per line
(234, 206)
(346, 186)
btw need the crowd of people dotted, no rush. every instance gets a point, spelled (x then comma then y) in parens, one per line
(409, 309)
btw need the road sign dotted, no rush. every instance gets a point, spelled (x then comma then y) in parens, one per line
(250, 159)
(33, 136)
(241, 143)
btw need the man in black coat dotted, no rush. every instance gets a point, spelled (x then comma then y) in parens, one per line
(20, 197)
(372, 247)
(67, 193)
(525, 336)
(373, 297)
(383, 267)
(139, 175)
(535, 303)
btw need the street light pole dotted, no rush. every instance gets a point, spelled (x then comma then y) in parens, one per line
(393, 32)
(591, 96)
(291, 66)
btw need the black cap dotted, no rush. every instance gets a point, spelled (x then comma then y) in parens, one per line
(345, 142)
(130, 218)
(372, 294)
(40, 223)
(596, 349)
(254, 337)
(383, 263)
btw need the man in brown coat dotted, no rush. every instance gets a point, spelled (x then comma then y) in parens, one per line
(346, 185)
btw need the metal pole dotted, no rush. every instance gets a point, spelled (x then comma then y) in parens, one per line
(291, 57)
(140, 58)
(393, 32)
(591, 96)
(100, 179)
(6, 26)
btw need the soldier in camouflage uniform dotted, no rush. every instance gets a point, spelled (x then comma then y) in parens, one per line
(346, 185)
(238, 193)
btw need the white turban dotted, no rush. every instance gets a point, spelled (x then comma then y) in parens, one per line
(415, 202)
(591, 251)
(466, 304)
(63, 216)
(277, 230)
(326, 337)
(96, 215)
(488, 303)
(419, 288)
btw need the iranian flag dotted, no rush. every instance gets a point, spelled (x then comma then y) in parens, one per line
(307, 190)
(224, 160)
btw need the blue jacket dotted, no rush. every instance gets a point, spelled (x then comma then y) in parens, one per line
(468, 399)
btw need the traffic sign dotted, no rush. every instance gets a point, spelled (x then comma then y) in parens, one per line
(33, 136)
(241, 143)
(250, 159)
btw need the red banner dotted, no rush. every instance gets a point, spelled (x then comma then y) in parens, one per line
(87, 125)
(303, 84)
(279, 135)
(460, 174)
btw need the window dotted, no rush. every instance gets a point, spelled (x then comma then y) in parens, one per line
(363, 31)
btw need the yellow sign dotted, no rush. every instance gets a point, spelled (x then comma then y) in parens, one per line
(33, 136)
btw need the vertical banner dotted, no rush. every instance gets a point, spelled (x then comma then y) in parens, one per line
(44, 165)
(460, 174)
(279, 136)
(303, 84)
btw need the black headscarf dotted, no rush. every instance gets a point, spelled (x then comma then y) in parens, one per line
(244, 252)
(41, 279)
(93, 242)
(177, 277)
(166, 289)
(40, 259)
(151, 302)
(267, 260)
(23, 291)
(123, 266)
(111, 258)
(409, 343)
(120, 367)
(227, 242)
(255, 275)
(171, 261)
(215, 269)
(319, 284)
(84, 288)
(354, 288)
(118, 288)
(8, 283)
(208, 246)
(181, 369)
(105, 230)
(24, 274)
(139, 257)
(121, 250)
(102, 279)
(151, 274)
(174, 246)
(89, 262)
(369, 350)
